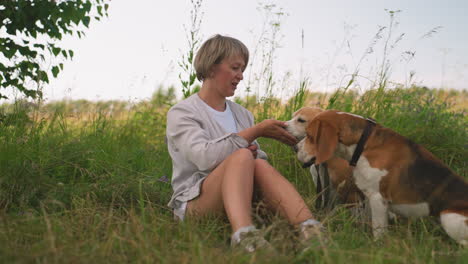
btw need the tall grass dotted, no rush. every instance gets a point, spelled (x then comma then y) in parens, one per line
(55, 159)
(92, 190)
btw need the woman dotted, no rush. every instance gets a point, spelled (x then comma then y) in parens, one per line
(216, 159)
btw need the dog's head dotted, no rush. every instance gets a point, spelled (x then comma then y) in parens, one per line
(320, 142)
(301, 119)
(332, 133)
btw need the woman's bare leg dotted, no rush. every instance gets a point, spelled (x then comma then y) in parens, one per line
(280, 194)
(229, 187)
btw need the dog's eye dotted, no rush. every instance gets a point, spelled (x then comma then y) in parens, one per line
(300, 120)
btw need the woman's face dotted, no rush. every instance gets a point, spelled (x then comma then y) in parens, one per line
(228, 74)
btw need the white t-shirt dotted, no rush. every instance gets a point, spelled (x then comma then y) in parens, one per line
(225, 119)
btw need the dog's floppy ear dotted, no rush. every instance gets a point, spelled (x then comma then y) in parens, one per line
(325, 138)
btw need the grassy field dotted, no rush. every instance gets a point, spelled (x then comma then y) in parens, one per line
(86, 182)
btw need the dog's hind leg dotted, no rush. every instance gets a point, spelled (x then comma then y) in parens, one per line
(455, 223)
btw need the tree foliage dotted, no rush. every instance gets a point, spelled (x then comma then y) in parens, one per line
(29, 34)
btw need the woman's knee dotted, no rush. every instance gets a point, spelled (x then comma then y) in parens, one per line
(262, 167)
(265, 173)
(240, 164)
(243, 156)
(261, 163)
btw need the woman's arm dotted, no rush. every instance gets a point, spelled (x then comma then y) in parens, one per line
(269, 128)
(189, 135)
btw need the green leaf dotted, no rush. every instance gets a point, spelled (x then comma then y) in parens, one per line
(9, 53)
(43, 76)
(55, 71)
(86, 20)
(40, 46)
(56, 51)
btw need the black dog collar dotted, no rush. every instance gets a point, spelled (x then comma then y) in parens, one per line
(362, 141)
(309, 163)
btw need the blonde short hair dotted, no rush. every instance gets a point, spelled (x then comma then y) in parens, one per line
(214, 50)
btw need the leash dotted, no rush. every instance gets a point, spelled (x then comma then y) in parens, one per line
(322, 192)
(318, 190)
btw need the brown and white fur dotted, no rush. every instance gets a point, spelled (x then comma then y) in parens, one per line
(393, 172)
(341, 189)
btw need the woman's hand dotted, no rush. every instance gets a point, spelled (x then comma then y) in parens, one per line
(269, 128)
(276, 129)
(253, 148)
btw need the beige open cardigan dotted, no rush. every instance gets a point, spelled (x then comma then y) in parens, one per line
(197, 144)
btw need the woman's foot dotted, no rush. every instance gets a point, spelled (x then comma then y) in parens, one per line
(311, 235)
(250, 240)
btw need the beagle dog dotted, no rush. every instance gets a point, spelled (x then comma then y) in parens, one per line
(394, 173)
(333, 179)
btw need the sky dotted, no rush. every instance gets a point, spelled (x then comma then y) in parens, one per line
(136, 49)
